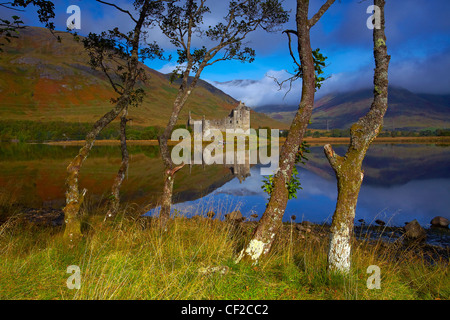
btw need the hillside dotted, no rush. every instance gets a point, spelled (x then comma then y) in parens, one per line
(406, 111)
(44, 80)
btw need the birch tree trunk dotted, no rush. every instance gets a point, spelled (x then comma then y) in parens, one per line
(115, 190)
(74, 198)
(271, 221)
(348, 168)
(166, 198)
(169, 168)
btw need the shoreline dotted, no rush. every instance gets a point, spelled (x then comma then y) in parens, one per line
(319, 141)
(54, 217)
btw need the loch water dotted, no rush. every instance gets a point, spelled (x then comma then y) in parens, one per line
(402, 182)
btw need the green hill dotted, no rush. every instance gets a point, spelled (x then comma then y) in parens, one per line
(44, 80)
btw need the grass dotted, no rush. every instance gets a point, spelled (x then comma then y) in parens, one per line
(131, 259)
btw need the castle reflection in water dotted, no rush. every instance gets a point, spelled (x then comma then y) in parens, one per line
(240, 168)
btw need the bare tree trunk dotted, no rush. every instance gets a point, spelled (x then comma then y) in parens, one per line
(169, 177)
(349, 177)
(74, 198)
(169, 167)
(115, 190)
(166, 199)
(271, 221)
(167, 192)
(348, 169)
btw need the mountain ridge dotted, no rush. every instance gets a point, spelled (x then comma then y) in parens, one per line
(44, 80)
(406, 110)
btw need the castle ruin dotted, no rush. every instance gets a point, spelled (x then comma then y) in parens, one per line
(239, 118)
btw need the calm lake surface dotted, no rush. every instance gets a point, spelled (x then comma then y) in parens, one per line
(402, 182)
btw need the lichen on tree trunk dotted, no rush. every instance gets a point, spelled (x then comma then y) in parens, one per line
(348, 169)
(349, 179)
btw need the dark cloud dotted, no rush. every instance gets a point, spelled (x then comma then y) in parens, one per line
(417, 32)
(343, 25)
(405, 21)
(423, 75)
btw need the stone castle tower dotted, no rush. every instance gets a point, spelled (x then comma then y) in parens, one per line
(239, 118)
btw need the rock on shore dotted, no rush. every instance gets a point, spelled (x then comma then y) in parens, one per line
(439, 222)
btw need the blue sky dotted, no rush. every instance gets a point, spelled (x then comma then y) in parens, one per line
(417, 31)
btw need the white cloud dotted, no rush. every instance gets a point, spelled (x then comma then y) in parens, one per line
(169, 67)
(266, 91)
(256, 93)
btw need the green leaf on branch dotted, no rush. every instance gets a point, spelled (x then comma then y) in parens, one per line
(294, 183)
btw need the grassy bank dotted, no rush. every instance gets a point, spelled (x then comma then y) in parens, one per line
(337, 140)
(35, 131)
(131, 259)
(319, 141)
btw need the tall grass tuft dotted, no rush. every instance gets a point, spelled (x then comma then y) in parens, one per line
(130, 258)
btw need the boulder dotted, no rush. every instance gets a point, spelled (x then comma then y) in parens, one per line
(44, 216)
(414, 231)
(380, 222)
(235, 216)
(439, 222)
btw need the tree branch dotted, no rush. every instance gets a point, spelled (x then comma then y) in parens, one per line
(333, 158)
(174, 170)
(119, 8)
(288, 33)
(113, 84)
(8, 5)
(320, 13)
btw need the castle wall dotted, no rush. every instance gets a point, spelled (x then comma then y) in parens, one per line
(239, 118)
